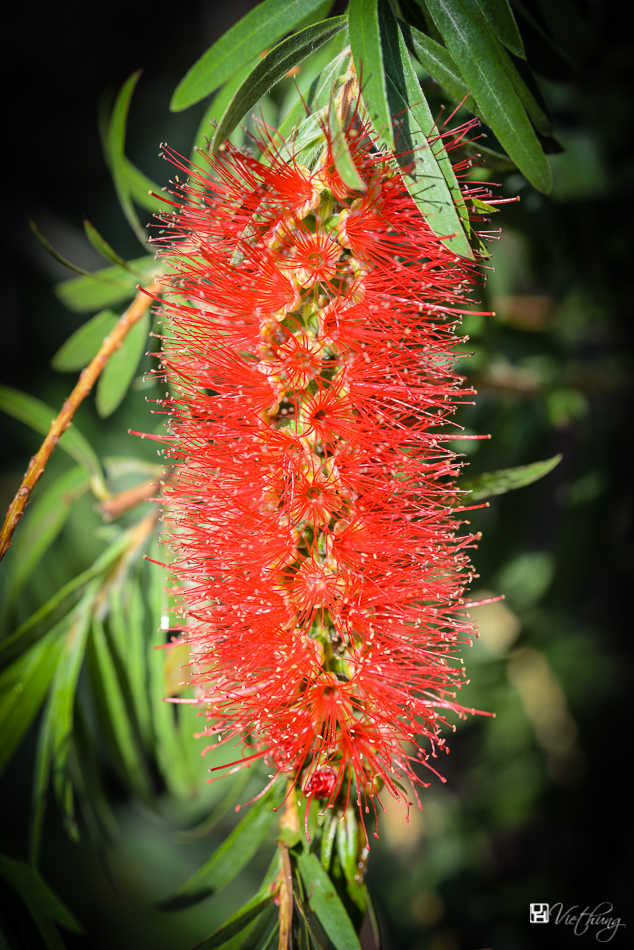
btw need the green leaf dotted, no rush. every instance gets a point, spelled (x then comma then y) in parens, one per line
(44, 521)
(232, 855)
(39, 416)
(127, 617)
(114, 710)
(250, 36)
(23, 687)
(365, 41)
(439, 63)
(44, 905)
(59, 604)
(492, 90)
(83, 294)
(325, 903)
(84, 344)
(102, 247)
(506, 479)
(271, 69)
(341, 153)
(431, 181)
(317, 96)
(328, 840)
(501, 20)
(217, 107)
(116, 150)
(120, 369)
(140, 186)
(57, 723)
(238, 921)
(56, 255)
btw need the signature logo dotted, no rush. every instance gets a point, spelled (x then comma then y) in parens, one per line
(598, 921)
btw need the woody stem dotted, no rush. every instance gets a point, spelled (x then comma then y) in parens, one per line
(87, 380)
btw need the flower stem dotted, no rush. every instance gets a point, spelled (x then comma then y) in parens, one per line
(87, 380)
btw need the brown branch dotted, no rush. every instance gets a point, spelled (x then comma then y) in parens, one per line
(87, 380)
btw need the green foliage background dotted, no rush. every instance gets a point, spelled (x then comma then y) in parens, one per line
(535, 806)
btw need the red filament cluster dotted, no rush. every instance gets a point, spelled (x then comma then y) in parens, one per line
(315, 528)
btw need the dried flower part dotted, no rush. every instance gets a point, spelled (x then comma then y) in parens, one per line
(315, 529)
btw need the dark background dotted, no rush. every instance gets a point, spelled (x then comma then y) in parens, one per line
(516, 822)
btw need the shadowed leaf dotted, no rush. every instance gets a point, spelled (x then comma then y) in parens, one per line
(116, 150)
(325, 903)
(119, 371)
(507, 479)
(248, 37)
(501, 20)
(271, 69)
(44, 905)
(84, 344)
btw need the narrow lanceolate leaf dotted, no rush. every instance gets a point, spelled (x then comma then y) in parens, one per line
(107, 286)
(507, 479)
(44, 521)
(119, 371)
(140, 187)
(492, 90)
(56, 255)
(238, 921)
(57, 724)
(271, 69)
(326, 905)
(217, 107)
(23, 687)
(114, 710)
(39, 416)
(79, 349)
(101, 245)
(501, 20)
(59, 604)
(429, 174)
(341, 152)
(227, 862)
(439, 63)
(116, 150)
(317, 96)
(365, 42)
(258, 30)
(45, 907)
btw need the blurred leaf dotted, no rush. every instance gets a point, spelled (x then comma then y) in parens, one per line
(501, 20)
(126, 611)
(238, 921)
(44, 521)
(432, 181)
(102, 247)
(44, 905)
(247, 38)
(116, 149)
(140, 186)
(114, 710)
(492, 90)
(39, 416)
(567, 28)
(59, 257)
(329, 833)
(271, 69)
(218, 813)
(23, 687)
(120, 369)
(232, 855)
(365, 40)
(43, 619)
(57, 722)
(525, 579)
(439, 63)
(83, 294)
(84, 344)
(118, 465)
(494, 161)
(412, 13)
(506, 479)
(344, 162)
(324, 901)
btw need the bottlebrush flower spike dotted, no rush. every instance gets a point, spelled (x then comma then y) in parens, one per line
(310, 342)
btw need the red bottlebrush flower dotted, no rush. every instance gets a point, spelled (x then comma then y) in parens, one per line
(311, 343)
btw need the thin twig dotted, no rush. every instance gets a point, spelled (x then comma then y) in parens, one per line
(87, 380)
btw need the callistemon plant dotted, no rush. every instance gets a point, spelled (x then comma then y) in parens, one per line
(315, 513)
